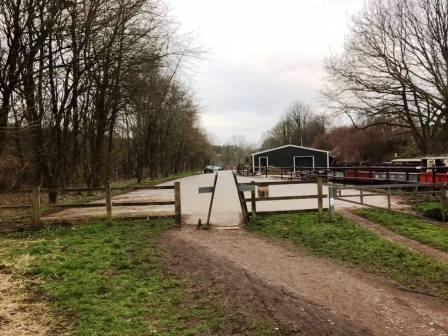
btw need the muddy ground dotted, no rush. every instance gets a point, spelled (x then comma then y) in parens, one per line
(262, 280)
(250, 296)
(314, 295)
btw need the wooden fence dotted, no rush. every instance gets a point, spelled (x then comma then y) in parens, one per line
(263, 195)
(108, 204)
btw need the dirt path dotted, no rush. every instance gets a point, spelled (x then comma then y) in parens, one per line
(350, 295)
(248, 297)
(395, 237)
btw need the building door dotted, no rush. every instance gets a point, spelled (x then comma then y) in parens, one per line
(303, 162)
(263, 162)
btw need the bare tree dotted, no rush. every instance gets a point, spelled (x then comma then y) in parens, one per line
(299, 126)
(84, 83)
(394, 70)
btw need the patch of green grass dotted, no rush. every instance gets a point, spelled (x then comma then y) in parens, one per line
(409, 226)
(429, 209)
(112, 280)
(428, 206)
(346, 241)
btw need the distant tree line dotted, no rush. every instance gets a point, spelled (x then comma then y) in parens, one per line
(234, 152)
(301, 125)
(88, 93)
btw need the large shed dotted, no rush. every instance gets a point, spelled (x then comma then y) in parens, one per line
(290, 156)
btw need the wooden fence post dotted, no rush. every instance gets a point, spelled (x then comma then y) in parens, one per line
(320, 199)
(253, 200)
(416, 196)
(389, 203)
(36, 206)
(361, 196)
(213, 197)
(242, 200)
(444, 201)
(178, 204)
(331, 200)
(108, 203)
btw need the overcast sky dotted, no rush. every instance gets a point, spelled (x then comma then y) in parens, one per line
(262, 55)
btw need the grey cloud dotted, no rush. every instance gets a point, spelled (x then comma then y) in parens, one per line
(249, 102)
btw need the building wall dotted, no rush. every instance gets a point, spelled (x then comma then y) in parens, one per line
(284, 157)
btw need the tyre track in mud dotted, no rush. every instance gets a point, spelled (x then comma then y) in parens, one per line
(362, 301)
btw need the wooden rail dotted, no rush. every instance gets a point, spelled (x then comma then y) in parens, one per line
(266, 198)
(80, 190)
(278, 183)
(36, 192)
(287, 198)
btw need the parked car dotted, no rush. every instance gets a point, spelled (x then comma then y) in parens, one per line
(211, 169)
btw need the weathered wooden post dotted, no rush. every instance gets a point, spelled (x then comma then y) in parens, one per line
(36, 206)
(320, 199)
(416, 196)
(444, 201)
(389, 203)
(213, 198)
(177, 204)
(331, 200)
(253, 200)
(108, 203)
(361, 196)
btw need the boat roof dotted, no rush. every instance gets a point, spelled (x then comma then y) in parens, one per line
(407, 160)
(295, 146)
(431, 157)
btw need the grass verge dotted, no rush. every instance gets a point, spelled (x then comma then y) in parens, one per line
(346, 241)
(430, 210)
(408, 226)
(112, 280)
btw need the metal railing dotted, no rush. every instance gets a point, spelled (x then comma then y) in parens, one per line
(361, 174)
(412, 192)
